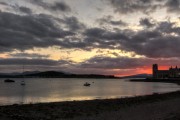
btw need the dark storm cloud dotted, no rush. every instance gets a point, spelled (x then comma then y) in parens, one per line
(100, 62)
(27, 32)
(108, 20)
(145, 6)
(39, 3)
(111, 63)
(73, 24)
(102, 38)
(25, 10)
(17, 61)
(146, 22)
(131, 6)
(173, 6)
(60, 6)
(161, 41)
(104, 34)
(168, 27)
(3, 3)
(36, 61)
(153, 44)
(155, 47)
(15, 64)
(27, 55)
(16, 7)
(21, 9)
(32, 30)
(57, 6)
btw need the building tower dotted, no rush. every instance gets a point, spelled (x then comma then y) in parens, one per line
(155, 70)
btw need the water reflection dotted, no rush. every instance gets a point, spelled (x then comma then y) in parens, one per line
(53, 90)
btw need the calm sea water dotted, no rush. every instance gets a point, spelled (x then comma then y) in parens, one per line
(39, 90)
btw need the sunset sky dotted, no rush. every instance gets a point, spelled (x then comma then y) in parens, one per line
(117, 37)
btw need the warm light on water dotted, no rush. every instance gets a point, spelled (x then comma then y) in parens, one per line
(61, 89)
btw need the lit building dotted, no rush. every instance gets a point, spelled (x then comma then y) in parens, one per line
(171, 73)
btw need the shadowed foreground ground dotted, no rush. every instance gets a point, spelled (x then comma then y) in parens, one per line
(151, 107)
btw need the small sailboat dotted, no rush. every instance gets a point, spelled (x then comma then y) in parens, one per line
(9, 80)
(23, 83)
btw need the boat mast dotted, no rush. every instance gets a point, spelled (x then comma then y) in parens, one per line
(23, 72)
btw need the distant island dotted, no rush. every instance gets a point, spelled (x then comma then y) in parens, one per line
(53, 74)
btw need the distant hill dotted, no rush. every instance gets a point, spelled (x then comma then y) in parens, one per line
(30, 72)
(138, 76)
(3, 73)
(47, 74)
(53, 74)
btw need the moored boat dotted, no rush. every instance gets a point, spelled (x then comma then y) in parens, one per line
(8, 80)
(87, 84)
(23, 83)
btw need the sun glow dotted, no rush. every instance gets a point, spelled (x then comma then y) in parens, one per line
(3, 55)
(78, 55)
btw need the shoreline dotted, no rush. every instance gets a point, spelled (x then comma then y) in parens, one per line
(118, 108)
(76, 109)
(175, 81)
